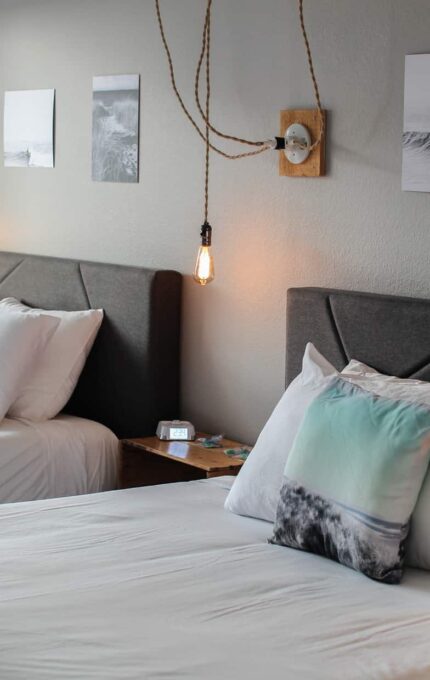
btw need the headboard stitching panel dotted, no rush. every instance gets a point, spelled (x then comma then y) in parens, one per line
(390, 333)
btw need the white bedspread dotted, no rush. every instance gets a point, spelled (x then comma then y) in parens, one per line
(162, 583)
(60, 457)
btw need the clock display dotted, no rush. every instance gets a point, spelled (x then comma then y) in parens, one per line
(178, 433)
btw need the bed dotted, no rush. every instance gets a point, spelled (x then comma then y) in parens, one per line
(162, 582)
(64, 456)
(130, 380)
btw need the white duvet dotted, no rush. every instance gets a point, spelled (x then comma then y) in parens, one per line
(162, 583)
(60, 457)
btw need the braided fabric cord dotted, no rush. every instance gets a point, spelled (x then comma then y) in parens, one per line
(208, 96)
(313, 77)
(205, 50)
(181, 101)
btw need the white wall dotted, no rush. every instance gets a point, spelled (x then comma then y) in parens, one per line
(352, 229)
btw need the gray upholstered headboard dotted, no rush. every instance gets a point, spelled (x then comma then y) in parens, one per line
(391, 334)
(131, 378)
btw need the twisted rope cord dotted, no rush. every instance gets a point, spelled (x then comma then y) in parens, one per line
(182, 104)
(263, 146)
(206, 49)
(208, 95)
(313, 77)
(311, 71)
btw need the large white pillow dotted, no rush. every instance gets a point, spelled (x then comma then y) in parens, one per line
(23, 338)
(256, 489)
(50, 383)
(414, 391)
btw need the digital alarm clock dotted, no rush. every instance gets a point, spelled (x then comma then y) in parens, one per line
(174, 430)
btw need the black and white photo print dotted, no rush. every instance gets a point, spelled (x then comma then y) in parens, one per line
(115, 128)
(416, 125)
(29, 128)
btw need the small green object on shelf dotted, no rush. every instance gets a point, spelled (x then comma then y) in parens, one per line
(242, 452)
(213, 442)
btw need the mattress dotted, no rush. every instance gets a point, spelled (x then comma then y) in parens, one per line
(163, 583)
(60, 457)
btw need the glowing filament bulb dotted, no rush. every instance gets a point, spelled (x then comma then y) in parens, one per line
(204, 271)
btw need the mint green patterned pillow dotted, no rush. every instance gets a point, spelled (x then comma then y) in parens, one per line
(352, 479)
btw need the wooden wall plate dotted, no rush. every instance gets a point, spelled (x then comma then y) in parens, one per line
(314, 166)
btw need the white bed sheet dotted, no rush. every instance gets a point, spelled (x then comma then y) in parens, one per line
(162, 583)
(60, 457)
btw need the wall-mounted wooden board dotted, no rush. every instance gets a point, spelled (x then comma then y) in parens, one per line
(314, 165)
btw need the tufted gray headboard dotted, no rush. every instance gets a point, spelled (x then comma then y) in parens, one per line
(131, 378)
(389, 333)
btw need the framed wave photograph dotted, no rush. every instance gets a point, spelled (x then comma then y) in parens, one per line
(28, 129)
(115, 152)
(416, 125)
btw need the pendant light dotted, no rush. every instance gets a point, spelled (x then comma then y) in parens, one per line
(204, 271)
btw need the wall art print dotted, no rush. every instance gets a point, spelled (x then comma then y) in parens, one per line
(416, 125)
(115, 149)
(28, 132)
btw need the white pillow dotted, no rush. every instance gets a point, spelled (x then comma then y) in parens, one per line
(256, 489)
(415, 391)
(406, 389)
(50, 383)
(22, 339)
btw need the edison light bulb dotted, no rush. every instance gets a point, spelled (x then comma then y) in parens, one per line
(204, 271)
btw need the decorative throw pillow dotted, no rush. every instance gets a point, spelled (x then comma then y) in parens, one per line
(50, 383)
(255, 492)
(23, 338)
(418, 392)
(352, 479)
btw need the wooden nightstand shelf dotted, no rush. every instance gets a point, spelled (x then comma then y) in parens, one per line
(148, 460)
